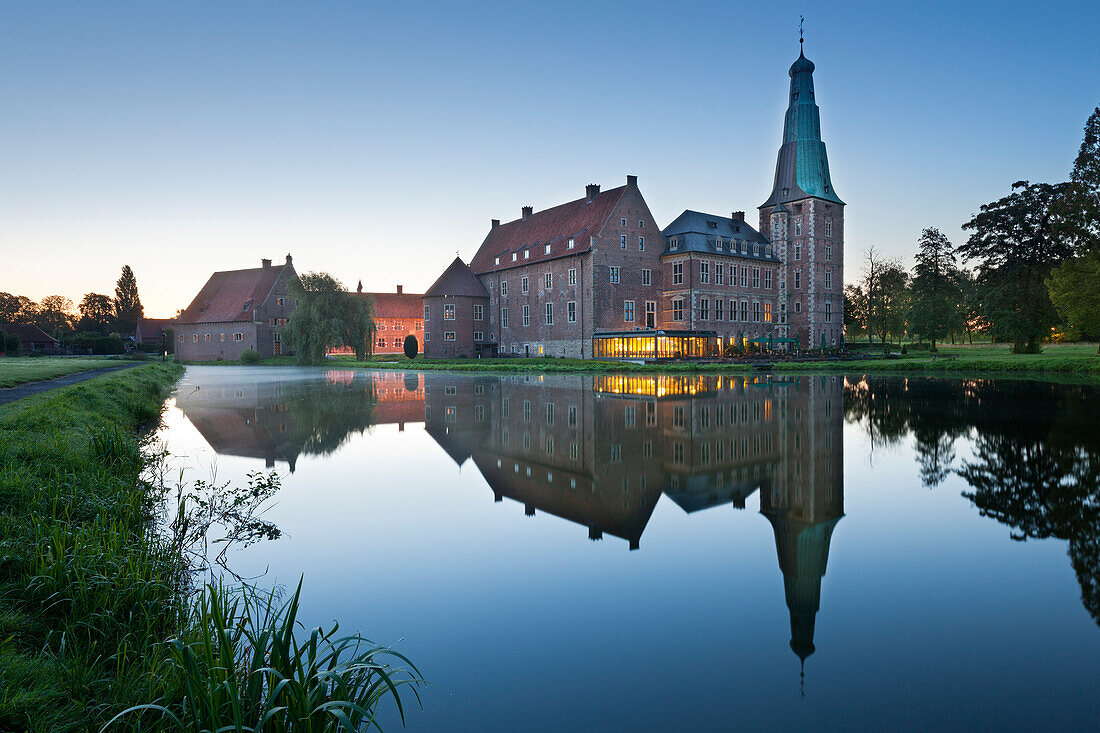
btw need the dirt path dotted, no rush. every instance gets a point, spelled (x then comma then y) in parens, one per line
(18, 392)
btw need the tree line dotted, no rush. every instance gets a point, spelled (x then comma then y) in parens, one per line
(97, 314)
(1035, 272)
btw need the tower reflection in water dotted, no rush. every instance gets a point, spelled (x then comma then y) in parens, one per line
(595, 450)
(600, 451)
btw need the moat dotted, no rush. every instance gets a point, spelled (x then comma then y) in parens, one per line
(681, 553)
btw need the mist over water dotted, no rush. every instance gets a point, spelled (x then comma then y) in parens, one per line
(669, 552)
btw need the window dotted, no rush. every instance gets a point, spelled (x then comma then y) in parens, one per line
(828, 279)
(180, 339)
(614, 271)
(704, 272)
(641, 224)
(549, 280)
(678, 273)
(526, 315)
(496, 260)
(549, 314)
(622, 241)
(718, 243)
(797, 307)
(206, 337)
(280, 301)
(396, 325)
(756, 312)
(514, 256)
(381, 326)
(570, 244)
(546, 250)
(623, 222)
(641, 244)
(718, 273)
(381, 343)
(479, 313)
(195, 338)
(756, 277)
(651, 314)
(744, 277)
(448, 311)
(628, 310)
(571, 311)
(828, 311)
(272, 321)
(427, 337)
(572, 276)
(448, 335)
(733, 310)
(798, 226)
(478, 336)
(828, 226)
(504, 288)
(767, 313)
(797, 250)
(733, 275)
(678, 309)
(745, 311)
(828, 252)
(767, 279)
(523, 285)
(647, 277)
(504, 318)
(704, 309)
(397, 342)
(798, 278)
(221, 338)
(673, 243)
(526, 254)
(718, 314)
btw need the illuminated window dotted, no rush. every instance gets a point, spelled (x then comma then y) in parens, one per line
(448, 311)
(479, 313)
(767, 313)
(448, 335)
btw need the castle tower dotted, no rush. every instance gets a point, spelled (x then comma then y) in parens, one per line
(804, 219)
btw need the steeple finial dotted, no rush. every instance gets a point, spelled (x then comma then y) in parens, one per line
(801, 20)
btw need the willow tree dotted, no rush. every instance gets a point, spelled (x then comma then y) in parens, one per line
(327, 317)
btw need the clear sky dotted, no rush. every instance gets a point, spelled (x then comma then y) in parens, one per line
(374, 140)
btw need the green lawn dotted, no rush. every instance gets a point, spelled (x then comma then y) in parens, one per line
(20, 370)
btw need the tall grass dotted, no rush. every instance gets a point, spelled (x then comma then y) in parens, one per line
(244, 669)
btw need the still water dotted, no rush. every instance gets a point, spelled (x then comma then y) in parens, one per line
(682, 553)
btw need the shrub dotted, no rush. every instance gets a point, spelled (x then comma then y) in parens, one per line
(411, 346)
(12, 345)
(250, 356)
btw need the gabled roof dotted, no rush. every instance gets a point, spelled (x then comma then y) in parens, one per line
(396, 305)
(699, 232)
(28, 333)
(152, 327)
(579, 220)
(457, 280)
(231, 295)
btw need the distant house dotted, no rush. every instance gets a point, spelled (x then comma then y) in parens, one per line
(31, 338)
(396, 315)
(237, 310)
(150, 331)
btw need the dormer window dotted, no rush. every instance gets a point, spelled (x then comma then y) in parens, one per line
(496, 261)
(718, 243)
(712, 224)
(673, 243)
(547, 249)
(514, 256)
(570, 245)
(526, 254)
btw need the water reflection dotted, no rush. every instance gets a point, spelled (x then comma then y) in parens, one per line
(1035, 463)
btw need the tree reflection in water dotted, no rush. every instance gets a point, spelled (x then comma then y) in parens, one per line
(1036, 453)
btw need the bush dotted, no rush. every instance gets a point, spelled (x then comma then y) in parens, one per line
(411, 346)
(98, 344)
(12, 345)
(250, 356)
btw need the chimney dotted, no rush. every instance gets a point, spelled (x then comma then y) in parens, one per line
(359, 288)
(632, 181)
(496, 223)
(738, 216)
(266, 264)
(289, 260)
(527, 211)
(591, 191)
(400, 289)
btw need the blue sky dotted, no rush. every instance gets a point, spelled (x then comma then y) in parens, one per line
(374, 140)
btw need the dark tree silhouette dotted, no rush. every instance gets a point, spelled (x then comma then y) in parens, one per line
(128, 308)
(96, 312)
(411, 346)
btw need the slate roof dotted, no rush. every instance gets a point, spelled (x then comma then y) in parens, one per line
(579, 220)
(699, 232)
(230, 296)
(457, 280)
(802, 168)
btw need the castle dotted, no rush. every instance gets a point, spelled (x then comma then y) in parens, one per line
(597, 277)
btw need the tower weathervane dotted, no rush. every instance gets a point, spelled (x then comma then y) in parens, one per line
(801, 20)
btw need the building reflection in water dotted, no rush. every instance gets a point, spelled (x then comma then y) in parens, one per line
(595, 450)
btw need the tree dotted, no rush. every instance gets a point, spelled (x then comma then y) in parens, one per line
(55, 313)
(17, 308)
(96, 312)
(893, 288)
(1074, 287)
(128, 308)
(855, 310)
(1017, 243)
(411, 346)
(327, 317)
(872, 269)
(935, 287)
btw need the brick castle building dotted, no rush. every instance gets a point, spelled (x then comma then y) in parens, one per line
(570, 279)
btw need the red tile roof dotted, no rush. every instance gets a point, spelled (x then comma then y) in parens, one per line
(28, 333)
(579, 220)
(397, 305)
(458, 279)
(230, 296)
(150, 329)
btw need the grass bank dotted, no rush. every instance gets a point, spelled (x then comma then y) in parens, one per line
(87, 595)
(15, 370)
